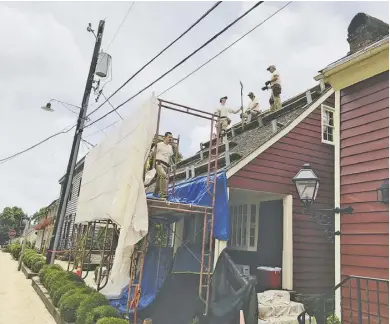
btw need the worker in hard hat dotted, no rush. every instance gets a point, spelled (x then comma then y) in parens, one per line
(164, 154)
(253, 109)
(223, 112)
(275, 85)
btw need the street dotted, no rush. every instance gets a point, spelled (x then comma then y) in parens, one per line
(19, 303)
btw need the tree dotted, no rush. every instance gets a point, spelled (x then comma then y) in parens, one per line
(10, 217)
(39, 215)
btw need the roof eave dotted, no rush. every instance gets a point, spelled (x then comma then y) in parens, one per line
(355, 58)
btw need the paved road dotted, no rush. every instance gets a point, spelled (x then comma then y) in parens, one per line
(19, 303)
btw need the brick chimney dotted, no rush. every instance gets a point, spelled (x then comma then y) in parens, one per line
(365, 30)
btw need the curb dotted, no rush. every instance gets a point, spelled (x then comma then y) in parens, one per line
(45, 297)
(27, 272)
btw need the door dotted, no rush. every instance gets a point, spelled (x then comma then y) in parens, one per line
(270, 238)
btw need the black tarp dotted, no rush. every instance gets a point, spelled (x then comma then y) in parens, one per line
(231, 292)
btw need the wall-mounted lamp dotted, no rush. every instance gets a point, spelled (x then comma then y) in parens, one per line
(383, 192)
(307, 185)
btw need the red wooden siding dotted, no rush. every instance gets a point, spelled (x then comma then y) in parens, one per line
(273, 170)
(364, 160)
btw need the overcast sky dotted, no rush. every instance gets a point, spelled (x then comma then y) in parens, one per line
(46, 51)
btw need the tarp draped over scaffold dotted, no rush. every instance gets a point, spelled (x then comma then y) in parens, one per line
(112, 187)
(195, 192)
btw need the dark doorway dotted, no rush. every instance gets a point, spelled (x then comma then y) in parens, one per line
(270, 238)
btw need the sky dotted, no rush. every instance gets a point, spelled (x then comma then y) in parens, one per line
(46, 52)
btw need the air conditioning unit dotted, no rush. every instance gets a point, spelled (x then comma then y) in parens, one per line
(244, 269)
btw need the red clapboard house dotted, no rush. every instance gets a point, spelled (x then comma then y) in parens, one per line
(361, 83)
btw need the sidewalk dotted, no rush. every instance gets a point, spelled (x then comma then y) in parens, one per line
(19, 303)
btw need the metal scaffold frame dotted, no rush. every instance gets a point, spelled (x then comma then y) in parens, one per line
(164, 206)
(97, 237)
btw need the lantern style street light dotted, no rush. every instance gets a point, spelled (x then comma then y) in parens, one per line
(383, 192)
(48, 107)
(307, 184)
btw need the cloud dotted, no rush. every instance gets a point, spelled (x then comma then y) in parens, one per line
(49, 53)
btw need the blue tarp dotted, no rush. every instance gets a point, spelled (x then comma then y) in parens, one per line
(187, 259)
(158, 262)
(194, 192)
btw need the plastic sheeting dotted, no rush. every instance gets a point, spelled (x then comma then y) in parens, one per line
(158, 262)
(195, 192)
(112, 187)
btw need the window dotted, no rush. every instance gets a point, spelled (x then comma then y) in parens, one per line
(327, 124)
(243, 227)
(78, 193)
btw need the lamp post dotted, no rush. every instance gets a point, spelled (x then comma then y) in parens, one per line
(307, 185)
(26, 222)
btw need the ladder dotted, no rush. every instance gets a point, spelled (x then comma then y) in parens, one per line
(206, 260)
(136, 264)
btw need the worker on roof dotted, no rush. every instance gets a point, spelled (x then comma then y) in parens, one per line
(223, 112)
(164, 154)
(275, 85)
(253, 109)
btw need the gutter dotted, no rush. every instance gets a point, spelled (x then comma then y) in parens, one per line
(357, 57)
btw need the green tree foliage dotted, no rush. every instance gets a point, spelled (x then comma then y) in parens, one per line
(10, 217)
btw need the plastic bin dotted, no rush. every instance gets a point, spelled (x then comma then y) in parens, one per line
(269, 278)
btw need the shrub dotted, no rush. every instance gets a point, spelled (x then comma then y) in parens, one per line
(332, 319)
(61, 291)
(77, 290)
(46, 269)
(94, 300)
(37, 266)
(15, 250)
(112, 320)
(54, 274)
(57, 284)
(99, 312)
(68, 308)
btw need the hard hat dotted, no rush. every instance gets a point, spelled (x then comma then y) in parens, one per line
(270, 67)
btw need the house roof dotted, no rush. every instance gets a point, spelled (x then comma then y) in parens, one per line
(242, 143)
(79, 165)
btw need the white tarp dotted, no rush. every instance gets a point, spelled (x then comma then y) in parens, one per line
(112, 187)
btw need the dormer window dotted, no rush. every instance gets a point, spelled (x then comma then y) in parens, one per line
(327, 124)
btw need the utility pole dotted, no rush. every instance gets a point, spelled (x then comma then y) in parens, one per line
(55, 238)
(26, 228)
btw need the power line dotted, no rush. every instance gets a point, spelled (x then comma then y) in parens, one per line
(178, 64)
(161, 52)
(109, 102)
(101, 130)
(225, 49)
(35, 145)
(120, 26)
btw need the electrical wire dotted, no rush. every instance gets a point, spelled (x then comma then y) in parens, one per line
(101, 130)
(120, 26)
(109, 102)
(225, 49)
(160, 53)
(178, 64)
(2, 161)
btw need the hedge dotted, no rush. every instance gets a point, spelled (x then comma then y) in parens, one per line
(94, 300)
(59, 292)
(69, 306)
(15, 250)
(46, 269)
(100, 312)
(112, 320)
(77, 290)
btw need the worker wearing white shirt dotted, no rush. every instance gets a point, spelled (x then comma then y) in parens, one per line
(223, 112)
(253, 108)
(164, 154)
(276, 86)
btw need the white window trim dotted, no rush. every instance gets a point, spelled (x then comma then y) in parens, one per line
(323, 109)
(248, 204)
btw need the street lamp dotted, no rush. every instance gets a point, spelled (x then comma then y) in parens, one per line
(307, 185)
(48, 107)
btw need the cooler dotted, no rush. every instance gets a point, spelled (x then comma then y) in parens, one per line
(268, 278)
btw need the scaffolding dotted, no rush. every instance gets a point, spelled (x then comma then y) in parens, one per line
(100, 238)
(165, 209)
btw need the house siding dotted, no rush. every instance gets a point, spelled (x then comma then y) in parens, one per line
(273, 170)
(364, 165)
(71, 209)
